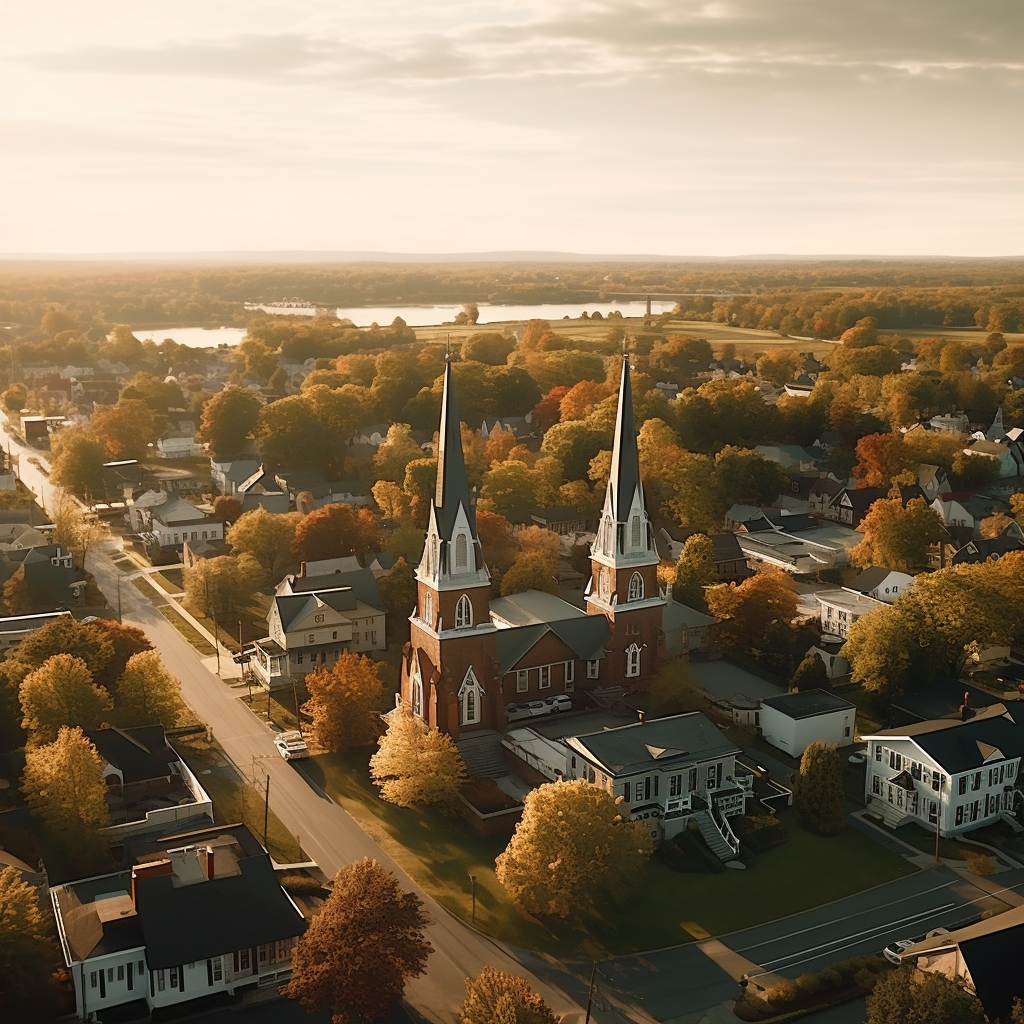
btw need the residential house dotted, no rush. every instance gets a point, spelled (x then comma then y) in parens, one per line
(980, 549)
(792, 721)
(197, 914)
(953, 513)
(37, 429)
(149, 786)
(684, 627)
(49, 575)
(14, 628)
(956, 774)
(193, 551)
(312, 619)
(669, 772)
(730, 561)
(261, 490)
(518, 425)
(821, 494)
(229, 473)
(881, 584)
(20, 536)
(123, 477)
(852, 504)
(951, 423)
(1001, 454)
(791, 457)
(174, 443)
(795, 543)
(841, 608)
(828, 649)
(175, 520)
(565, 520)
(982, 958)
(933, 481)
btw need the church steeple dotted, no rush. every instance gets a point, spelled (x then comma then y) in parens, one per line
(451, 554)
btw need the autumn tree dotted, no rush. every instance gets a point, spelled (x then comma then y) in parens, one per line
(74, 529)
(147, 694)
(572, 850)
(224, 585)
(495, 996)
(345, 702)
(58, 693)
(810, 674)
(124, 641)
(819, 788)
(63, 784)
(582, 399)
(158, 393)
(125, 430)
(416, 764)
(906, 996)
(25, 950)
(391, 499)
(548, 411)
(335, 531)
(694, 571)
(490, 347)
(229, 418)
(779, 366)
(226, 508)
(529, 572)
(747, 611)
(396, 451)
(880, 457)
(268, 536)
(496, 540)
(898, 536)
(92, 642)
(361, 948)
(77, 462)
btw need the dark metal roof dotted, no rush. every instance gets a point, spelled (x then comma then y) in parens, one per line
(452, 483)
(869, 579)
(807, 703)
(139, 754)
(994, 962)
(361, 582)
(585, 636)
(624, 478)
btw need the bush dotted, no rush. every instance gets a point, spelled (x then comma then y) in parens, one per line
(783, 994)
(759, 832)
(865, 978)
(831, 978)
(809, 984)
(688, 852)
(301, 885)
(979, 862)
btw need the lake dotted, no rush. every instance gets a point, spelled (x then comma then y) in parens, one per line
(414, 316)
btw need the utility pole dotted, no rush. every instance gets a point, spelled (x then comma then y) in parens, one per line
(266, 810)
(298, 717)
(590, 993)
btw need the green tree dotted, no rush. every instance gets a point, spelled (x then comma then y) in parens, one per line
(398, 590)
(495, 996)
(905, 996)
(746, 477)
(77, 462)
(416, 764)
(572, 851)
(529, 571)
(159, 394)
(574, 444)
(268, 536)
(25, 951)
(223, 586)
(490, 347)
(819, 788)
(58, 693)
(229, 418)
(362, 947)
(694, 571)
(395, 453)
(345, 703)
(147, 694)
(810, 674)
(898, 536)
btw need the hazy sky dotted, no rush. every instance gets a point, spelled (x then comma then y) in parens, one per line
(654, 126)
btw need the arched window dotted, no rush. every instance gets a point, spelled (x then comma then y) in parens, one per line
(428, 609)
(606, 582)
(635, 532)
(636, 587)
(470, 694)
(463, 612)
(461, 551)
(470, 706)
(417, 698)
(632, 660)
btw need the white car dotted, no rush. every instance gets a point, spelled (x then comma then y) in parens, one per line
(291, 746)
(537, 708)
(894, 950)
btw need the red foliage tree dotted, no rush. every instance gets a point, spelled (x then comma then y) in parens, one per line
(335, 531)
(547, 412)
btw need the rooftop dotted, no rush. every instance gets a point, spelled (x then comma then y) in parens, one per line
(807, 703)
(532, 607)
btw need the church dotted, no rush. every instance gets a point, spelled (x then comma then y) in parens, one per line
(470, 655)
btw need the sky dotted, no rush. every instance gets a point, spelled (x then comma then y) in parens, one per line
(593, 126)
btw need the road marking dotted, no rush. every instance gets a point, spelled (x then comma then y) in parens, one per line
(695, 929)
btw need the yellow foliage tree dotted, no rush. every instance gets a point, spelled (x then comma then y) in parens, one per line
(58, 693)
(495, 996)
(572, 849)
(147, 694)
(345, 702)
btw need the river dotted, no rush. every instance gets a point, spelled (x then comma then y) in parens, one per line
(415, 316)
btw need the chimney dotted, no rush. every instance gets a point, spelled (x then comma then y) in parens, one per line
(641, 716)
(150, 869)
(209, 864)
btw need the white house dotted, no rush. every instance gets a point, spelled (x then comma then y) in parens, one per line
(841, 608)
(176, 445)
(999, 453)
(669, 772)
(951, 423)
(881, 584)
(175, 520)
(933, 481)
(959, 773)
(953, 513)
(791, 721)
(197, 914)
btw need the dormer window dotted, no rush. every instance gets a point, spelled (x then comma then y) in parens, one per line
(636, 587)
(461, 551)
(463, 612)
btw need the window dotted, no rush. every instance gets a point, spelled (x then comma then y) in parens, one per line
(373, 636)
(878, 751)
(470, 706)
(691, 782)
(174, 977)
(298, 658)
(161, 980)
(976, 782)
(545, 677)
(110, 974)
(632, 660)
(205, 532)
(461, 551)
(711, 777)
(647, 788)
(463, 613)
(936, 781)
(142, 968)
(876, 785)
(570, 672)
(632, 629)
(120, 972)
(92, 979)
(846, 731)
(959, 819)
(417, 696)
(634, 538)
(522, 680)
(933, 811)
(593, 668)
(311, 638)
(636, 587)
(895, 761)
(675, 785)
(961, 785)
(334, 635)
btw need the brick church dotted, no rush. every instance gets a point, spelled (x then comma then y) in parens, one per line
(469, 655)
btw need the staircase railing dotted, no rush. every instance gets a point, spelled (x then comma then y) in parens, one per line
(721, 823)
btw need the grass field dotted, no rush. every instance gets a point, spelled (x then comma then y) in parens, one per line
(441, 853)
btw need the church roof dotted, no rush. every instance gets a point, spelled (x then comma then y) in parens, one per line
(585, 636)
(624, 478)
(452, 483)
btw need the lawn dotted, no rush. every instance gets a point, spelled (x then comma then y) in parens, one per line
(441, 854)
(189, 632)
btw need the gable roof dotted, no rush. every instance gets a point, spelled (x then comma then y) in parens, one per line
(139, 754)
(584, 636)
(727, 547)
(532, 607)
(870, 578)
(361, 583)
(631, 748)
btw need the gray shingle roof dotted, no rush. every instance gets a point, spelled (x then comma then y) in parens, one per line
(679, 739)
(807, 703)
(584, 636)
(139, 754)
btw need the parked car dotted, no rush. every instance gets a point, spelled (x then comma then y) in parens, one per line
(536, 708)
(291, 746)
(559, 702)
(893, 951)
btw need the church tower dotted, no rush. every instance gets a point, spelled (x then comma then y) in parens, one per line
(623, 583)
(449, 665)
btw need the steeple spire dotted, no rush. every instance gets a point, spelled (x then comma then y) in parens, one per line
(452, 484)
(624, 480)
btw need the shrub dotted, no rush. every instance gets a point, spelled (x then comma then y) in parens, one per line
(759, 832)
(301, 885)
(979, 862)
(809, 984)
(783, 994)
(831, 978)
(865, 978)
